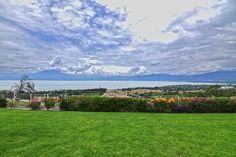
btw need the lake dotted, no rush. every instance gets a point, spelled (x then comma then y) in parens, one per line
(56, 85)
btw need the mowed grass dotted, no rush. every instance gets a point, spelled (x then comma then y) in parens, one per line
(46, 134)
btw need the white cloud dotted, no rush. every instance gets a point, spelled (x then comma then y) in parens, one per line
(147, 19)
(112, 69)
(127, 37)
(56, 61)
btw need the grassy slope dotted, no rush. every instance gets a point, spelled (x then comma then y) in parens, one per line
(42, 133)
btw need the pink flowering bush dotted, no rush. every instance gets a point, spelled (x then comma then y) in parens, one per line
(204, 105)
(194, 105)
(35, 104)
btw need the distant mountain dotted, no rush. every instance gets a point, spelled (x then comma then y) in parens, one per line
(219, 76)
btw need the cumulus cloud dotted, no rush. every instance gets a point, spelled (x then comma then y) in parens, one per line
(118, 37)
(56, 61)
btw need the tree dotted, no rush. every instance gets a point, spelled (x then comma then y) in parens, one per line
(25, 86)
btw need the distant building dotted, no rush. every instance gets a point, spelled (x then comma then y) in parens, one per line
(227, 87)
(128, 93)
(116, 93)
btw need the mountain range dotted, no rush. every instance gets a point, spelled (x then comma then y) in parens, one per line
(218, 76)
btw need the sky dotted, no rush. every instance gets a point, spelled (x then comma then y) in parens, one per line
(118, 37)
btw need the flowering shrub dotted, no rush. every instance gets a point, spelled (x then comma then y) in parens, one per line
(172, 105)
(35, 104)
(160, 105)
(11, 104)
(196, 105)
(56, 100)
(233, 98)
(49, 103)
(171, 100)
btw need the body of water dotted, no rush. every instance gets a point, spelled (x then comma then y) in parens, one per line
(56, 85)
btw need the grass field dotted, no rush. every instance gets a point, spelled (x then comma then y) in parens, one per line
(43, 133)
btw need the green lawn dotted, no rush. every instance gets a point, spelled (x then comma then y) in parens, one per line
(43, 133)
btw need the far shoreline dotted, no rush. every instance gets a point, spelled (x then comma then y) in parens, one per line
(49, 85)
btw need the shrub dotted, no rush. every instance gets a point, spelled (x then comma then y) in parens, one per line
(49, 103)
(12, 104)
(3, 102)
(204, 105)
(194, 105)
(160, 105)
(103, 104)
(113, 104)
(35, 105)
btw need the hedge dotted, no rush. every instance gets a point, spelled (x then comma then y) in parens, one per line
(3, 102)
(103, 104)
(113, 104)
(196, 105)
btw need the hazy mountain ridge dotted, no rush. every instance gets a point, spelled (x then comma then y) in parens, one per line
(219, 76)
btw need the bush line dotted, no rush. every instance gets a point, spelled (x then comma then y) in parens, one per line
(114, 104)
